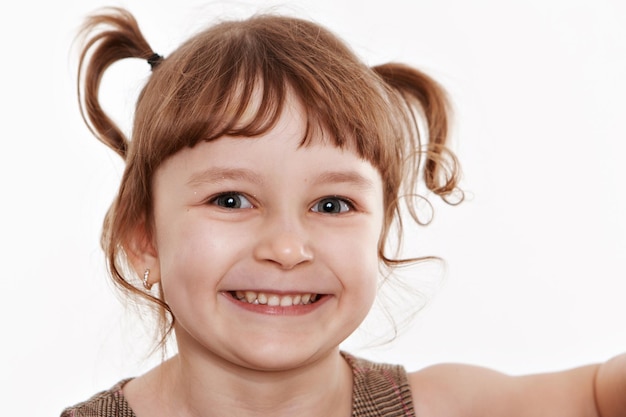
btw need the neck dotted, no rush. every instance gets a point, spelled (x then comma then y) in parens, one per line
(201, 385)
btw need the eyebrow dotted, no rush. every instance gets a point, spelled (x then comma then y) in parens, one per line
(218, 174)
(344, 177)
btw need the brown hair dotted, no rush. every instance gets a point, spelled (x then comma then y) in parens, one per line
(202, 90)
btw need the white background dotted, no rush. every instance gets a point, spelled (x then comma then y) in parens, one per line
(535, 277)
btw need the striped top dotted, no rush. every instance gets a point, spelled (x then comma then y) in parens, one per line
(380, 390)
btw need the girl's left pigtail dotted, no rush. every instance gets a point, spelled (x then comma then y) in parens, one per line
(111, 35)
(420, 92)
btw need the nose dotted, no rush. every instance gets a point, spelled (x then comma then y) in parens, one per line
(285, 246)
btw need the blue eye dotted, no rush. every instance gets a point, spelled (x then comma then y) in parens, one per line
(332, 205)
(232, 201)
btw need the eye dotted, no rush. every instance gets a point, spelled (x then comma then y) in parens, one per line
(332, 205)
(232, 201)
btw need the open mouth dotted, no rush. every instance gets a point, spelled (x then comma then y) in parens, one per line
(275, 300)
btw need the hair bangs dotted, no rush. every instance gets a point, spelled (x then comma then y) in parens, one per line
(239, 85)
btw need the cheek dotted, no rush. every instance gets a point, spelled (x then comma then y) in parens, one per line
(353, 256)
(359, 275)
(369, 261)
(194, 255)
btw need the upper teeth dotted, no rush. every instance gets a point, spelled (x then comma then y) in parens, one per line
(275, 300)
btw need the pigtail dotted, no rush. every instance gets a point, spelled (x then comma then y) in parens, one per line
(441, 169)
(110, 36)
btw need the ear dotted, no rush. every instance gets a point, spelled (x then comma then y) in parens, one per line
(141, 252)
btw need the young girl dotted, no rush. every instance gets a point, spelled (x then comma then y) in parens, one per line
(265, 172)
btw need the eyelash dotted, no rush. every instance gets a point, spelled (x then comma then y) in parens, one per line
(236, 199)
(233, 201)
(345, 205)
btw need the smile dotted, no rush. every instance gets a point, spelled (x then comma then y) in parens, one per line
(274, 300)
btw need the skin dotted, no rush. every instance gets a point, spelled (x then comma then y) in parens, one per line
(461, 390)
(267, 215)
(308, 220)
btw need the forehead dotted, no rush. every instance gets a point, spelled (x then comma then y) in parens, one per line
(279, 152)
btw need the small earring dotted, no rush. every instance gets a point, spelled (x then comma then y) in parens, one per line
(146, 275)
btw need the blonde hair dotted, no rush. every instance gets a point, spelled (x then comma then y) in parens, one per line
(202, 90)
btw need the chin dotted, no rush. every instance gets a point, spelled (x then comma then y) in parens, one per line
(279, 357)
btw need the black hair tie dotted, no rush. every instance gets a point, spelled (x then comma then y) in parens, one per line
(154, 60)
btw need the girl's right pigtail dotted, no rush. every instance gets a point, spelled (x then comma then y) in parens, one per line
(111, 35)
(418, 91)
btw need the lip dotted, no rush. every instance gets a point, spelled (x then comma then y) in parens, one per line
(294, 310)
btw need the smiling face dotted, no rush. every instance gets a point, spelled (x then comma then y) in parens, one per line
(266, 250)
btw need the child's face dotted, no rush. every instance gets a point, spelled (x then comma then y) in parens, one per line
(272, 221)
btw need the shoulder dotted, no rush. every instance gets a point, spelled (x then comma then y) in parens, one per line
(448, 390)
(108, 403)
(379, 388)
